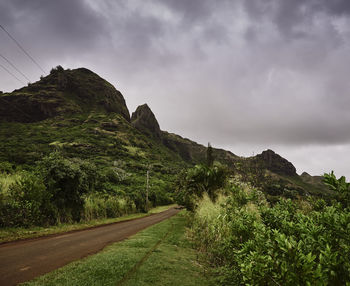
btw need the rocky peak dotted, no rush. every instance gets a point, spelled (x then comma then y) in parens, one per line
(144, 120)
(276, 163)
(62, 92)
(305, 174)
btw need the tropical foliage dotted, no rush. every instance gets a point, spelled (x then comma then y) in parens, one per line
(60, 189)
(245, 241)
(340, 186)
(202, 179)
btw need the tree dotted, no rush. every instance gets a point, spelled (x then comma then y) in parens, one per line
(67, 180)
(194, 182)
(210, 157)
(340, 186)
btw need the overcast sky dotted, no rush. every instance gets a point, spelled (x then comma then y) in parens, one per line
(244, 75)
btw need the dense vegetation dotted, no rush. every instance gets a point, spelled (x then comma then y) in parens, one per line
(70, 152)
(104, 155)
(60, 189)
(80, 167)
(245, 240)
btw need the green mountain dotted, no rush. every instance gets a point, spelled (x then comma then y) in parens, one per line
(82, 115)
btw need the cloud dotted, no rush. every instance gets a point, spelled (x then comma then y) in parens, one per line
(295, 18)
(235, 73)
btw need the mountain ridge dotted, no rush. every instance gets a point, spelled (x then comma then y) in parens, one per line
(68, 98)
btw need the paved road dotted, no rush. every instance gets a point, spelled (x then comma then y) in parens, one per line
(24, 260)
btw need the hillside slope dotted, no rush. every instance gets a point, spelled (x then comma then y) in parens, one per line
(81, 115)
(60, 93)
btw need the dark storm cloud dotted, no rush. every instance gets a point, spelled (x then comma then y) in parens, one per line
(290, 14)
(236, 73)
(196, 11)
(71, 21)
(51, 28)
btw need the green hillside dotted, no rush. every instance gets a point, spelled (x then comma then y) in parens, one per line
(76, 114)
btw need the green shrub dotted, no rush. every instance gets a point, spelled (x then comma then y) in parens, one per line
(340, 186)
(99, 206)
(246, 242)
(193, 183)
(26, 202)
(67, 180)
(6, 167)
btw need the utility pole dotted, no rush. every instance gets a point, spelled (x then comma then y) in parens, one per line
(147, 188)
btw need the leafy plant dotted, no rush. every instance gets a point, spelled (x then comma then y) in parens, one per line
(340, 186)
(66, 181)
(26, 202)
(193, 183)
(244, 241)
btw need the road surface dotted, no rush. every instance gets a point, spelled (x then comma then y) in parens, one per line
(24, 260)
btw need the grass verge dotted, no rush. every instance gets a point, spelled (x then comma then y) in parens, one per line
(12, 234)
(159, 255)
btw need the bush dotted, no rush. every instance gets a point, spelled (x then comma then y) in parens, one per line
(26, 202)
(193, 183)
(67, 180)
(6, 167)
(340, 186)
(246, 242)
(99, 206)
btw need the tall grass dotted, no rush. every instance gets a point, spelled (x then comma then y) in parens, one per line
(209, 211)
(24, 201)
(6, 180)
(247, 242)
(97, 206)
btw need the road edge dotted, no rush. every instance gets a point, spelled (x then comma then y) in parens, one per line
(44, 236)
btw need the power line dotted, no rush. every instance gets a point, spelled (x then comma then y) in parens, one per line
(11, 74)
(14, 67)
(23, 50)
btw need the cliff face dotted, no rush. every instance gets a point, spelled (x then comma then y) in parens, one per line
(144, 120)
(275, 163)
(62, 92)
(188, 150)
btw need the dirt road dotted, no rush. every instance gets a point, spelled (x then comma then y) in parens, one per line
(22, 261)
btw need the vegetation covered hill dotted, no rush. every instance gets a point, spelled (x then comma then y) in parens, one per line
(73, 115)
(62, 92)
(70, 152)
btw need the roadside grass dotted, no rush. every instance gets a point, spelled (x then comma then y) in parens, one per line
(172, 262)
(12, 234)
(160, 209)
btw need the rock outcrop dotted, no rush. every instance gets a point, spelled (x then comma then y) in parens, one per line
(314, 180)
(275, 163)
(62, 92)
(144, 120)
(188, 150)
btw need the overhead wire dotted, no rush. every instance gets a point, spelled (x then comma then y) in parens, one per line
(1, 98)
(12, 65)
(11, 74)
(23, 50)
